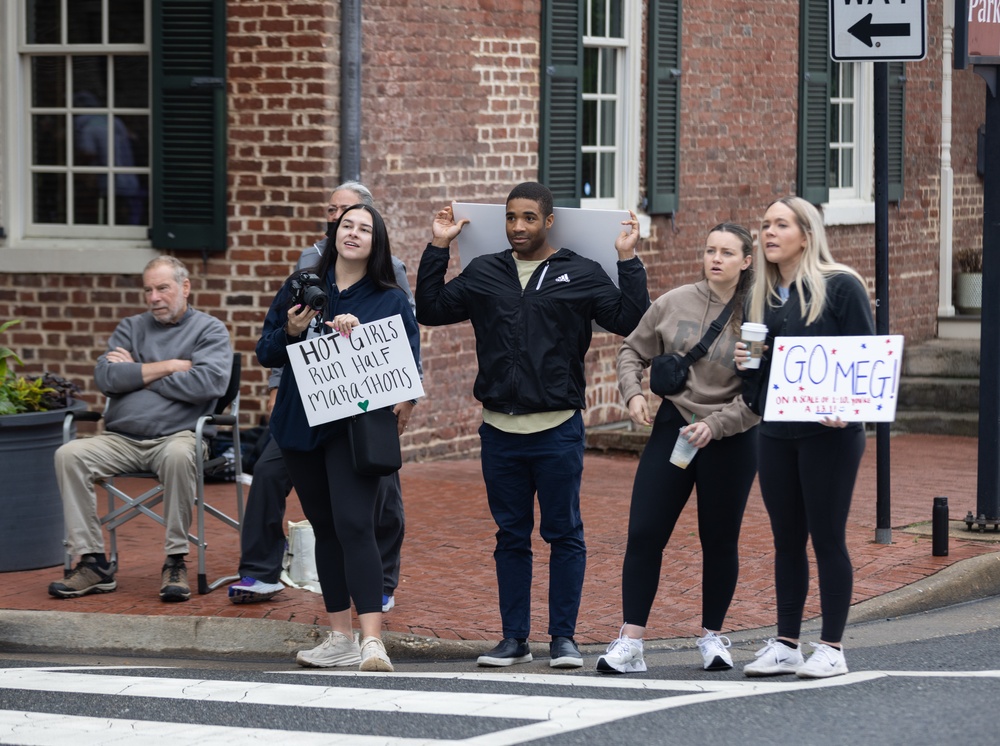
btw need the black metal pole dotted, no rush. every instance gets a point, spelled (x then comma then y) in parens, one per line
(350, 90)
(883, 520)
(988, 489)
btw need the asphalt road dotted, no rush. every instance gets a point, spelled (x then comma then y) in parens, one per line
(929, 678)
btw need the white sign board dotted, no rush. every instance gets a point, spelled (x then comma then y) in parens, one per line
(342, 376)
(853, 378)
(589, 233)
(882, 31)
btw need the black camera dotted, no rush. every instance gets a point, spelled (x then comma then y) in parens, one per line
(307, 291)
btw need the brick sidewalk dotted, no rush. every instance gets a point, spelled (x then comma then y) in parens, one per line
(448, 588)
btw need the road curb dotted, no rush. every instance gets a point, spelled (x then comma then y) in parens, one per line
(265, 639)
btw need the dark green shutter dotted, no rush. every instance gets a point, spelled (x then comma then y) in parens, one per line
(897, 120)
(189, 125)
(815, 67)
(559, 160)
(664, 107)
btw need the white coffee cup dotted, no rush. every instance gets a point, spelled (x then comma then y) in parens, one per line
(753, 336)
(683, 452)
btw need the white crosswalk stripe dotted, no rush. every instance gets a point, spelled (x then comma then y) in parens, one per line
(548, 714)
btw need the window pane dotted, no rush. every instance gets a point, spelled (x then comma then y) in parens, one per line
(90, 140)
(132, 141)
(42, 22)
(597, 18)
(616, 19)
(83, 21)
(48, 81)
(834, 167)
(131, 76)
(847, 114)
(609, 59)
(131, 203)
(126, 21)
(834, 123)
(607, 175)
(591, 58)
(48, 135)
(90, 78)
(847, 72)
(49, 196)
(90, 199)
(847, 168)
(589, 123)
(588, 169)
(608, 122)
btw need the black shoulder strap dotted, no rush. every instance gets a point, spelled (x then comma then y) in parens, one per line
(715, 328)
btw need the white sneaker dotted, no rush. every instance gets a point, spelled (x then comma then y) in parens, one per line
(336, 650)
(373, 655)
(624, 656)
(774, 659)
(825, 661)
(714, 653)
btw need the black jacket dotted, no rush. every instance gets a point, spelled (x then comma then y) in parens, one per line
(531, 343)
(847, 312)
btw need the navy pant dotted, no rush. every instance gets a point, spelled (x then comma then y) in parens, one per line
(515, 468)
(723, 473)
(262, 535)
(807, 485)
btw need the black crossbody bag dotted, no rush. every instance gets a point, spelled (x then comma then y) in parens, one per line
(668, 372)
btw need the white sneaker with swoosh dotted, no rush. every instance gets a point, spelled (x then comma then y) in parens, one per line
(824, 662)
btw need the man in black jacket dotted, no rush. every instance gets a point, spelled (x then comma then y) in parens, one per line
(532, 308)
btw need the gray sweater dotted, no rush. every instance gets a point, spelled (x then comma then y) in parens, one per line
(175, 402)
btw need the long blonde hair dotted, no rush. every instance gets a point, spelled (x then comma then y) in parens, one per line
(814, 267)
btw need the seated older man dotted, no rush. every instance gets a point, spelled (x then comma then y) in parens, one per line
(163, 370)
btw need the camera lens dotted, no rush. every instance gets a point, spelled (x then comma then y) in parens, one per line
(314, 297)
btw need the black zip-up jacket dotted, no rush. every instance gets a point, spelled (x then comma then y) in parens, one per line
(531, 343)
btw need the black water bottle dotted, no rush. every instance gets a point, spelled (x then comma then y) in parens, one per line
(939, 527)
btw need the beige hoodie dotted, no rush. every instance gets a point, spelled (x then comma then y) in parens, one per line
(676, 322)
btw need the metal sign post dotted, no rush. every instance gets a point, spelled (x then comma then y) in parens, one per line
(892, 31)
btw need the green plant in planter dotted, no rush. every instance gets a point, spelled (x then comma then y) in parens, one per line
(29, 394)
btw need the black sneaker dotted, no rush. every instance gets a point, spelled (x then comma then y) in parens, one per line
(564, 653)
(507, 653)
(86, 577)
(174, 580)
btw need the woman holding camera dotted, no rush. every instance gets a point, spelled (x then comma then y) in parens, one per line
(358, 282)
(710, 413)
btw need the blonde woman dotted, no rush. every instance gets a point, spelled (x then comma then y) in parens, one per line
(807, 470)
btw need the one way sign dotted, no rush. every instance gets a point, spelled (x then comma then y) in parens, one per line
(881, 30)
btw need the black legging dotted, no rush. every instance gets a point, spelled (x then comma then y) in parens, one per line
(340, 505)
(807, 484)
(723, 472)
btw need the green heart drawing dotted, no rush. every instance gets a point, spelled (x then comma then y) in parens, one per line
(363, 405)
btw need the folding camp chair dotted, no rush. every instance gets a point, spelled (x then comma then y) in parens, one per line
(144, 503)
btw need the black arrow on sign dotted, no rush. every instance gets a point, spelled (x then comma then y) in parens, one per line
(864, 30)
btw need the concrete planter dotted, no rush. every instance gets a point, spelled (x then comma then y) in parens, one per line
(969, 292)
(31, 530)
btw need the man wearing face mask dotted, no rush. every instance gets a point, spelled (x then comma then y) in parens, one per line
(262, 536)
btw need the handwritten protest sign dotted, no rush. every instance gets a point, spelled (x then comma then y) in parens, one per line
(853, 378)
(342, 376)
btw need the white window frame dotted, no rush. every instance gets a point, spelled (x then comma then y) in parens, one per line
(856, 205)
(47, 249)
(628, 111)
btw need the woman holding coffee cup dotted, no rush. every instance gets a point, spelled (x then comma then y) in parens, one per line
(708, 413)
(807, 469)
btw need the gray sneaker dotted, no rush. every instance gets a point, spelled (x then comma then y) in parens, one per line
(336, 650)
(174, 580)
(85, 578)
(373, 655)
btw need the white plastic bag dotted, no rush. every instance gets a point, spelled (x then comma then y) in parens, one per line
(299, 564)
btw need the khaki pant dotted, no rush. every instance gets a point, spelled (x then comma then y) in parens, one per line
(82, 462)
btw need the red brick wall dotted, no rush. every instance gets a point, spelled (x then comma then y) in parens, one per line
(450, 111)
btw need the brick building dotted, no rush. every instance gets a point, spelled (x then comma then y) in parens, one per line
(211, 129)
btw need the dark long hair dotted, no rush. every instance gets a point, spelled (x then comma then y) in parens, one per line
(379, 270)
(745, 283)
